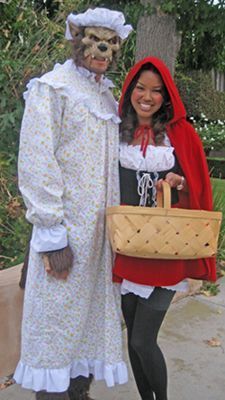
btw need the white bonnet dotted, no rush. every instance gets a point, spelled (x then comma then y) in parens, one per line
(99, 17)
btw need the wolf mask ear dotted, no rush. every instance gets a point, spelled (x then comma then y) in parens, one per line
(74, 30)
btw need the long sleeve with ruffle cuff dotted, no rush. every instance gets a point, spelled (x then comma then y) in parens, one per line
(49, 239)
(40, 178)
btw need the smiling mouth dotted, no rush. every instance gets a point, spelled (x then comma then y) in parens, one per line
(145, 107)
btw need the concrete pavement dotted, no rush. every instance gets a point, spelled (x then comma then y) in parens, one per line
(193, 340)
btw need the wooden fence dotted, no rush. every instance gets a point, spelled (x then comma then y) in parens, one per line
(218, 79)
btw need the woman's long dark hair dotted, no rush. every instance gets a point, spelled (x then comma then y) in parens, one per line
(129, 117)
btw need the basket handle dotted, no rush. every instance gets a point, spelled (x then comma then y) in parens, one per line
(164, 196)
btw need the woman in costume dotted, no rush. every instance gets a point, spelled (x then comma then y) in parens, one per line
(156, 143)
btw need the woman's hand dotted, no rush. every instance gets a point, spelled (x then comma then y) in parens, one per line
(174, 180)
(58, 263)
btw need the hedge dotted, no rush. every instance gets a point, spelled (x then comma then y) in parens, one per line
(216, 167)
(199, 96)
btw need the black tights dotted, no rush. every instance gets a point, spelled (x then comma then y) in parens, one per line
(143, 318)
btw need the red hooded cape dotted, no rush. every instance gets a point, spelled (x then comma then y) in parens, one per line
(192, 160)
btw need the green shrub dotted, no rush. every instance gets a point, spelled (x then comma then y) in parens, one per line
(212, 133)
(30, 45)
(199, 96)
(218, 186)
(216, 167)
(14, 230)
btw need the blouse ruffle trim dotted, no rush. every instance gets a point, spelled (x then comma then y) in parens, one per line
(104, 83)
(145, 290)
(158, 158)
(57, 379)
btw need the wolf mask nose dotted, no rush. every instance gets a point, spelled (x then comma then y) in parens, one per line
(102, 47)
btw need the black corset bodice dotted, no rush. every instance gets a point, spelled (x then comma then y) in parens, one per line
(129, 182)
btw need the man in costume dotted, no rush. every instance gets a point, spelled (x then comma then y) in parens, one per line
(68, 175)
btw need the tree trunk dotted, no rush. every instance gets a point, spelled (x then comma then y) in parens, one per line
(157, 36)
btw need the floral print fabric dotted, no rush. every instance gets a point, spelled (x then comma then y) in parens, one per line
(68, 174)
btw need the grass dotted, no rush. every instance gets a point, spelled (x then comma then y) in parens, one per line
(218, 186)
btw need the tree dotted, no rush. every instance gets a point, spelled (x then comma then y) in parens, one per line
(202, 27)
(196, 27)
(192, 30)
(157, 34)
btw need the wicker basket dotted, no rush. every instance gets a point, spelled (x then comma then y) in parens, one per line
(163, 233)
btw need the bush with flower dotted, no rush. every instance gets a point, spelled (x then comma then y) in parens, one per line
(212, 133)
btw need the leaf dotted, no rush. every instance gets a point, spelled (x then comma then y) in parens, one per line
(35, 49)
(20, 17)
(214, 342)
(7, 383)
(210, 289)
(206, 293)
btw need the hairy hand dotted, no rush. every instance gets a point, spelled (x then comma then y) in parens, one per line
(58, 263)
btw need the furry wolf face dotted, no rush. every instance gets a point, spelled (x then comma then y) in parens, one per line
(98, 42)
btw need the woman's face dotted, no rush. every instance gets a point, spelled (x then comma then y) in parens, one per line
(147, 96)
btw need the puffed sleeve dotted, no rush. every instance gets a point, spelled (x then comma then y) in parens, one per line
(40, 178)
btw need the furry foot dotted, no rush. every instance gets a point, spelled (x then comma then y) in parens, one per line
(52, 396)
(79, 388)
